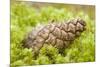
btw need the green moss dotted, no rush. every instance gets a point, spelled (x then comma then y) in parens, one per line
(24, 18)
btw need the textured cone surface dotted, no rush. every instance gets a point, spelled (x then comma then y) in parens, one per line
(59, 35)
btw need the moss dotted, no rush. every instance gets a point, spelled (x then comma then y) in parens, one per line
(24, 18)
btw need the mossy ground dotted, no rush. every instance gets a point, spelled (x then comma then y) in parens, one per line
(24, 18)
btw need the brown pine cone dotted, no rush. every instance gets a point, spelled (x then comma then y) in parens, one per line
(59, 35)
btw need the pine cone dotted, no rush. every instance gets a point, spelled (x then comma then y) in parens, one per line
(59, 35)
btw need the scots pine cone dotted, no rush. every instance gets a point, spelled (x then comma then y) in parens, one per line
(59, 35)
